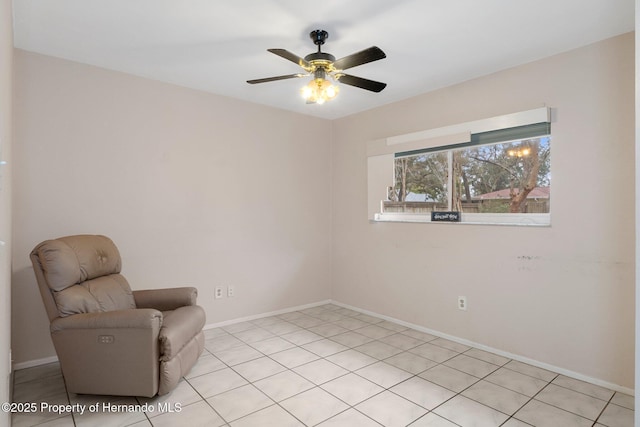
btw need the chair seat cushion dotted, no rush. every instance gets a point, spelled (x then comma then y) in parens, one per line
(179, 326)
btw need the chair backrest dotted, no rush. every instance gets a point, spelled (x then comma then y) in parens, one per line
(80, 274)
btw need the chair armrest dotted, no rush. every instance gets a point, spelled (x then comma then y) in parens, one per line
(127, 319)
(166, 299)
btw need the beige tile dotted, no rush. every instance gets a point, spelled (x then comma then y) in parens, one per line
(313, 406)
(325, 347)
(532, 371)
(572, 401)
(392, 326)
(217, 382)
(328, 330)
(272, 345)
(351, 323)
(449, 378)
(320, 371)
(378, 349)
(487, 357)
(221, 343)
(516, 381)
(391, 410)
(346, 311)
(239, 402)
(37, 373)
(540, 414)
(214, 333)
(329, 316)
(477, 368)
(238, 327)
(349, 418)
(383, 374)
(423, 336)
(496, 397)
(352, 360)
(351, 339)
(616, 416)
(258, 369)
(515, 423)
(306, 321)
(624, 400)
(41, 389)
(205, 364)
(451, 345)
(583, 387)
(432, 420)
(294, 357)
(237, 355)
(467, 412)
(114, 417)
(434, 352)
(254, 335)
(422, 392)
(282, 328)
(198, 414)
(367, 318)
(403, 342)
(410, 362)
(352, 388)
(283, 385)
(26, 419)
(273, 416)
(302, 337)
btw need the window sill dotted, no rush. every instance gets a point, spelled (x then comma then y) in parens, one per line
(521, 220)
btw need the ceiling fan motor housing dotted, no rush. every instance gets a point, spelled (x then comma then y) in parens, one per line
(318, 37)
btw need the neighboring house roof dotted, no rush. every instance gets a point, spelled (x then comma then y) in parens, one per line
(416, 197)
(536, 193)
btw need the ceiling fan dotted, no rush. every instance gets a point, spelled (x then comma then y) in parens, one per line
(321, 64)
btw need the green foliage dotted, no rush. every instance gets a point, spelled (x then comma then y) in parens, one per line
(477, 170)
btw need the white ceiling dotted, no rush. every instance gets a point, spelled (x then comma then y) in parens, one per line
(216, 45)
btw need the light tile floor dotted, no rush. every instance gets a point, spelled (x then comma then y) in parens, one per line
(330, 366)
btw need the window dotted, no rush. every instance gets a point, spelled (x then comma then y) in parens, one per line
(499, 176)
(512, 177)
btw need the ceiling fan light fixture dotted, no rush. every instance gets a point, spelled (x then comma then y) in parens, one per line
(319, 90)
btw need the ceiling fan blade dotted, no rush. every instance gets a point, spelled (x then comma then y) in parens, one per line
(273, 79)
(283, 53)
(367, 84)
(374, 53)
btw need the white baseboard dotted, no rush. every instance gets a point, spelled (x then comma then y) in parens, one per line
(269, 314)
(36, 362)
(519, 358)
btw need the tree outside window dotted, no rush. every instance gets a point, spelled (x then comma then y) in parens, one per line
(504, 177)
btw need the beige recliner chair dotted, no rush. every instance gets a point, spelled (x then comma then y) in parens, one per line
(110, 340)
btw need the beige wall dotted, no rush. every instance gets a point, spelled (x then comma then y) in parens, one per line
(195, 189)
(6, 122)
(561, 295)
(156, 166)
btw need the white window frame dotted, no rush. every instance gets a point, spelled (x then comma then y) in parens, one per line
(381, 156)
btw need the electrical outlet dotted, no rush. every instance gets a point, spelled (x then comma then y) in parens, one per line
(462, 303)
(219, 292)
(231, 291)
